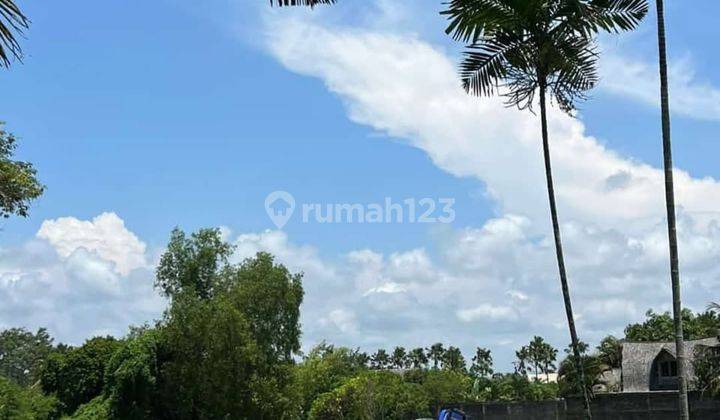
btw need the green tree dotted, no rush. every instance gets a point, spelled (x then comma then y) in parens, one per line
(670, 208)
(215, 368)
(661, 327)
(323, 369)
(569, 379)
(23, 353)
(417, 358)
(482, 363)
(435, 353)
(706, 365)
(453, 360)
(12, 22)
(231, 353)
(271, 296)
(78, 375)
(538, 46)
(20, 403)
(373, 395)
(541, 356)
(522, 357)
(398, 359)
(132, 378)
(18, 180)
(193, 263)
(446, 386)
(610, 351)
(380, 360)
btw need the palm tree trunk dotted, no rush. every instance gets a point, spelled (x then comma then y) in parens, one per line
(670, 204)
(558, 249)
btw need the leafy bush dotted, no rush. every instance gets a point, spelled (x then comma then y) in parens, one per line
(78, 375)
(97, 409)
(323, 369)
(373, 395)
(131, 378)
(18, 403)
(707, 370)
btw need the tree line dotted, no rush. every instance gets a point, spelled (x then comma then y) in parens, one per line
(228, 346)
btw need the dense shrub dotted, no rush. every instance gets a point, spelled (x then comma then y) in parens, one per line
(373, 395)
(19, 403)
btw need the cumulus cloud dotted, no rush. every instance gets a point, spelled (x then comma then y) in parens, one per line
(105, 235)
(78, 279)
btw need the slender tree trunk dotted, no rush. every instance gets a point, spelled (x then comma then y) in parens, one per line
(559, 251)
(670, 204)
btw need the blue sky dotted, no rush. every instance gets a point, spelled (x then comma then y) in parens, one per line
(168, 114)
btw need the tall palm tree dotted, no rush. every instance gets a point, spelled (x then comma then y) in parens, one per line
(520, 48)
(12, 23)
(670, 206)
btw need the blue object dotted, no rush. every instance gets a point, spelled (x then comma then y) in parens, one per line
(451, 414)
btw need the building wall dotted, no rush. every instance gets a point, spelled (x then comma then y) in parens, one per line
(616, 406)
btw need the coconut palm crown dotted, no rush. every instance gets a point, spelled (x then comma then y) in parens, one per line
(524, 46)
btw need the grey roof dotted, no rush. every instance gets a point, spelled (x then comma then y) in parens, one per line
(637, 360)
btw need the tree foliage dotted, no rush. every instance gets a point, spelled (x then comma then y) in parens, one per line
(78, 375)
(192, 264)
(324, 369)
(23, 353)
(21, 403)
(18, 180)
(660, 327)
(482, 363)
(373, 395)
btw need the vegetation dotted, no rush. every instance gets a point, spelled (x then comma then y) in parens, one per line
(22, 403)
(661, 327)
(707, 370)
(18, 182)
(23, 353)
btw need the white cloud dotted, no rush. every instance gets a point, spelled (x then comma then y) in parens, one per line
(487, 312)
(639, 80)
(408, 89)
(105, 235)
(78, 279)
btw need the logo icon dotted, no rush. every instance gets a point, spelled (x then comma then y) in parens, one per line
(280, 206)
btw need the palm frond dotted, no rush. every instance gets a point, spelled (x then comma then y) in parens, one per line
(469, 19)
(310, 3)
(12, 22)
(573, 69)
(712, 306)
(485, 64)
(619, 15)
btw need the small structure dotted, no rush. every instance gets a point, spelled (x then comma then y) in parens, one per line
(651, 366)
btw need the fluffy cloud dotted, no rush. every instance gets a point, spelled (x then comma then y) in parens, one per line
(105, 235)
(78, 279)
